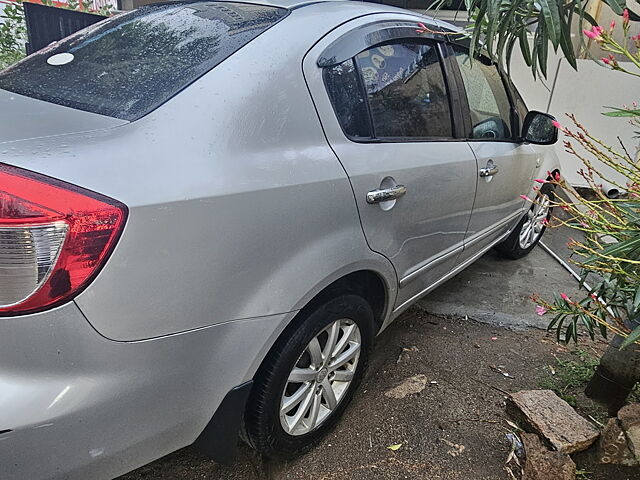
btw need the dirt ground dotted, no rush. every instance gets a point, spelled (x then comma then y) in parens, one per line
(453, 429)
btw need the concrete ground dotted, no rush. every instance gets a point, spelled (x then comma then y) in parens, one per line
(460, 341)
(497, 291)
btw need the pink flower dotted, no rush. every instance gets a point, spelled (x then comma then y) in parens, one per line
(556, 124)
(540, 310)
(545, 222)
(524, 197)
(612, 25)
(594, 34)
(557, 176)
(565, 297)
(625, 18)
(606, 60)
(539, 180)
(594, 296)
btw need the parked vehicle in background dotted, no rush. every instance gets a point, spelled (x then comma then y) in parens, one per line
(204, 224)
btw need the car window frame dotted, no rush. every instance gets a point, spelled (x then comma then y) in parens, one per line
(468, 127)
(358, 40)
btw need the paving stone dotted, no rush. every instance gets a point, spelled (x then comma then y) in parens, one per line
(543, 464)
(409, 386)
(630, 420)
(613, 447)
(554, 419)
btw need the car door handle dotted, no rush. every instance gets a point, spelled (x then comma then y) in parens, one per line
(490, 170)
(385, 194)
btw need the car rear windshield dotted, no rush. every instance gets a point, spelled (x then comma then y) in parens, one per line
(128, 65)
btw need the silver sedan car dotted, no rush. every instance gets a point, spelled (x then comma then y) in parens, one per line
(208, 210)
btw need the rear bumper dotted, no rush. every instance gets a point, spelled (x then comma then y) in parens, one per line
(74, 404)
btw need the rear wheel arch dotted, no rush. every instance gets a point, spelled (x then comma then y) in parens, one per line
(366, 283)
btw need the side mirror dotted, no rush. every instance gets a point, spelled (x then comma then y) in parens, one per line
(538, 128)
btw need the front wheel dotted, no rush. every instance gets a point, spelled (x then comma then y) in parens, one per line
(309, 377)
(529, 230)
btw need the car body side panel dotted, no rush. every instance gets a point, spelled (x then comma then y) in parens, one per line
(498, 205)
(423, 233)
(238, 207)
(95, 409)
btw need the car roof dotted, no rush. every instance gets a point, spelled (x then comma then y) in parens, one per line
(336, 4)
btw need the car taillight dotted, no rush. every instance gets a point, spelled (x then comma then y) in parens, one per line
(54, 238)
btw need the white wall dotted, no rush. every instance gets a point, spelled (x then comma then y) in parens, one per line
(584, 93)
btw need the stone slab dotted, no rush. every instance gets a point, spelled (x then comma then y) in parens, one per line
(613, 447)
(543, 464)
(630, 420)
(555, 420)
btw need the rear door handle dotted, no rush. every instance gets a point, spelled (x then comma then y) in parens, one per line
(490, 170)
(385, 194)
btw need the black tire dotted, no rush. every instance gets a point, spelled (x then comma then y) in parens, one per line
(262, 428)
(510, 247)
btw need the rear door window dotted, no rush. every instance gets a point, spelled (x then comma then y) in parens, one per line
(345, 90)
(406, 91)
(129, 65)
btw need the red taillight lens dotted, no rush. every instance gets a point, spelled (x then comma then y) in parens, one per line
(54, 238)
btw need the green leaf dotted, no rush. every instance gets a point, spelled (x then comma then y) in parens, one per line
(477, 30)
(617, 6)
(566, 45)
(621, 112)
(551, 15)
(633, 336)
(619, 249)
(395, 447)
(543, 45)
(509, 52)
(524, 46)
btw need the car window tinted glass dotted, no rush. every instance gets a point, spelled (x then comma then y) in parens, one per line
(130, 64)
(406, 91)
(488, 100)
(348, 100)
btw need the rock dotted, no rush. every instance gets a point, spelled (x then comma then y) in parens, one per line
(630, 420)
(543, 464)
(554, 419)
(410, 386)
(613, 447)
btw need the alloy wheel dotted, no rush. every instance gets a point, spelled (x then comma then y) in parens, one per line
(533, 226)
(321, 377)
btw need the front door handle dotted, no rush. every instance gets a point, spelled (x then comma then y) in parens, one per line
(490, 170)
(385, 194)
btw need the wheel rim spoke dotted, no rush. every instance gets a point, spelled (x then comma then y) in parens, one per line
(316, 352)
(343, 376)
(315, 409)
(329, 395)
(290, 402)
(347, 333)
(346, 356)
(301, 375)
(302, 410)
(334, 331)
